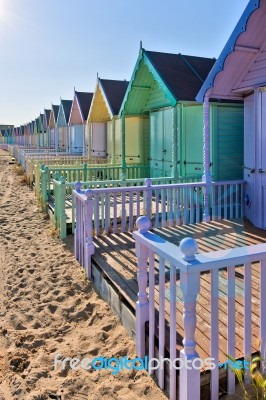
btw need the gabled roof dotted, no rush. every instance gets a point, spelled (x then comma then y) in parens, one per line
(182, 74)
(114, 93)
(178, 76)
(32, 125)
(236, 69)
(47, 113)
(84, 101)
(55, 109)
(66, 106)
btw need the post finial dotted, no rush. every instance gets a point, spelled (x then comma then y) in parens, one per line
(148, 182)
(123, 176)
(89, 193)
(189, 248)
(143, 224)
(77, 186)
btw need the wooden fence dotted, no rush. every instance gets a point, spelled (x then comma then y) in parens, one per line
(187, 265)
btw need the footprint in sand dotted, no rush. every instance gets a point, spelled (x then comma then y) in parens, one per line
(52, 308)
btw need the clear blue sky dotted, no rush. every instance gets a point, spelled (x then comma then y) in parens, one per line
(48, 47)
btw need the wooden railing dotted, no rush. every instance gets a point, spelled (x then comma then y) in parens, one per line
(185, 268)
(116, 209)
(51, 160)
(22, 154)
(85, 173)
(62, 189)
(4, 146)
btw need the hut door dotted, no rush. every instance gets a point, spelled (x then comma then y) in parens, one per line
(156, 159)
(76, 138)
(255, 158)
(98, 139)
(249, 157)
(161, 143)
(261, 166)
(192, 141)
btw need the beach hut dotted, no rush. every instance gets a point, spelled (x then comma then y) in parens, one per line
(32, 133)
(16, 136)
(240, 74)
(27, 133)
(53, 140)
(160, 102)
(78, 120)
(103, 136)
(2, 136)
(46, 119)
(39, 123)
(62, 124)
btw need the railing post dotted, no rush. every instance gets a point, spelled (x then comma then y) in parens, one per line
(45, 181)
(123, 179)
(206, 158)
(189, 379)
(142, 305)
(84, 172)
(206, 202)
(77, 205)
(89, 246)
(175, 142)
(148, 199)
(62, 208)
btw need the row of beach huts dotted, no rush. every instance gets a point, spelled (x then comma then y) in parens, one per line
(184, 141)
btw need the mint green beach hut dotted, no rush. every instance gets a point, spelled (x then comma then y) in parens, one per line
(46, 119)
(160, 98)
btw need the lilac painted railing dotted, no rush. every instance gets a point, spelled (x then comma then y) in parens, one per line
(116, 209)
(185, 288)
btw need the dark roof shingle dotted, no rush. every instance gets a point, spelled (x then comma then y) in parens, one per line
(84, 99)
(182, 74)
(115, 93)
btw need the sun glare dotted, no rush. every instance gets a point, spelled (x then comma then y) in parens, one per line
(2, 10)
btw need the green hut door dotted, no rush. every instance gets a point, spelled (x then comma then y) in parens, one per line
(161, 143)
(192, 141)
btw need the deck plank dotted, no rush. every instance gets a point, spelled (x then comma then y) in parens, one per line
(115, 256)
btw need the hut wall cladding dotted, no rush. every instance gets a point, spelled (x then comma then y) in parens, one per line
(134, 140)
(109, 145)
(227, 138)
(254, 76)
(156, 98)
(190, 138)
(228, 142)
(146, 140)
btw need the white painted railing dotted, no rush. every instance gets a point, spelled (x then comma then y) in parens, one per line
(188, 265)
(4, 146)
(116, 209)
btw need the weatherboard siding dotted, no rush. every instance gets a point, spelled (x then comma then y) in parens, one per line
(146, 140)
(191, 140)
(256, 73)
(134, 141)
(157, 98)
(109, 139)
(228, 143)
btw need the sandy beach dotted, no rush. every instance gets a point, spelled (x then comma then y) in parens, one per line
(48, 307)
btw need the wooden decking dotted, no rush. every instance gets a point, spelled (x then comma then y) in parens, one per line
(115, 256)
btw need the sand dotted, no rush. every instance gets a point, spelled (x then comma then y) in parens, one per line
(48, 307)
